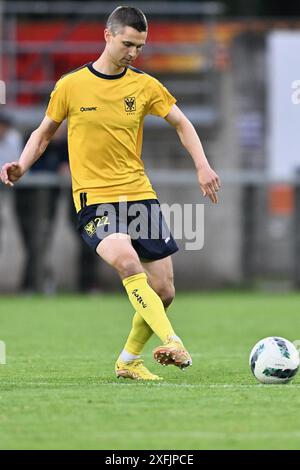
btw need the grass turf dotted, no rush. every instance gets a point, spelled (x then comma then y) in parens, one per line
(58, 389)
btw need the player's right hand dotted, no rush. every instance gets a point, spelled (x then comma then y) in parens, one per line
(10, 173)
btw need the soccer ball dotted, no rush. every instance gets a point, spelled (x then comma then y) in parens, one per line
(274, 360)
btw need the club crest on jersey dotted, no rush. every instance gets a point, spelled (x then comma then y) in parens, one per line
(130, 105)
(90, 228)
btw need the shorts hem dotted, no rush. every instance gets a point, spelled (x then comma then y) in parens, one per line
(156, 258)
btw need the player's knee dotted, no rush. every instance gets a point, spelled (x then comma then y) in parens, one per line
(129, 267)
(167, 294)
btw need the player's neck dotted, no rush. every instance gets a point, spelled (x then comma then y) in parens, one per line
(105, 66)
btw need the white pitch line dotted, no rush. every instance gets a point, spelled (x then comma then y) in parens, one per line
(123, 383)
(208, 386)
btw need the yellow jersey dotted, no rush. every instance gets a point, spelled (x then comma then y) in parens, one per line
(105, 131)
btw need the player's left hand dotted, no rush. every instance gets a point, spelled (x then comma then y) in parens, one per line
(209, 183)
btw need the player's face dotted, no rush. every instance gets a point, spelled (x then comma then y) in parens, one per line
(125, 46)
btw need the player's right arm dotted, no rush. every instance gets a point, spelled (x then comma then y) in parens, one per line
(34, 148)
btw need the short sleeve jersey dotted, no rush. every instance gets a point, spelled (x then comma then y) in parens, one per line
(105, 130)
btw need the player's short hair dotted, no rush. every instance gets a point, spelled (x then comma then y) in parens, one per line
(127, 16)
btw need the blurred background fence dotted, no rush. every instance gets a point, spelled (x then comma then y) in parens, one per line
(224, 73)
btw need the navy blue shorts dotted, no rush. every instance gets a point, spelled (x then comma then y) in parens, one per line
(142, 220)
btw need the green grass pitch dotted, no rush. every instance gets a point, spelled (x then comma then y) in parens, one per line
(58, 389)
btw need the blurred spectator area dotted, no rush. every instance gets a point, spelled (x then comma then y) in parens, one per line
(37, 53)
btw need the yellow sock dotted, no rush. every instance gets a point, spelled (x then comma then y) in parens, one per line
(139, 335)
(148, 304)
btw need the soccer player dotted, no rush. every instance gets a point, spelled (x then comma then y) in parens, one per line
(105, 103)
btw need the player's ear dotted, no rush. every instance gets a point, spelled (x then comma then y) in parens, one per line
(107, 35)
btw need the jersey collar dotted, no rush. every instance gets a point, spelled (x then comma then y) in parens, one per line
(102, 75)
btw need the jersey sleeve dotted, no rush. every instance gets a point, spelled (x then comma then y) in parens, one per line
(161, 100)
(57, 106)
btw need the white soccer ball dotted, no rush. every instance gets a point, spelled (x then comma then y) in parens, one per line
(274, 360)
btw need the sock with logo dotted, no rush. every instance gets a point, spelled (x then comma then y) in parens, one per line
(148, 304)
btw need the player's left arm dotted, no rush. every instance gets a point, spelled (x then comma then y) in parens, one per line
(208, 179)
